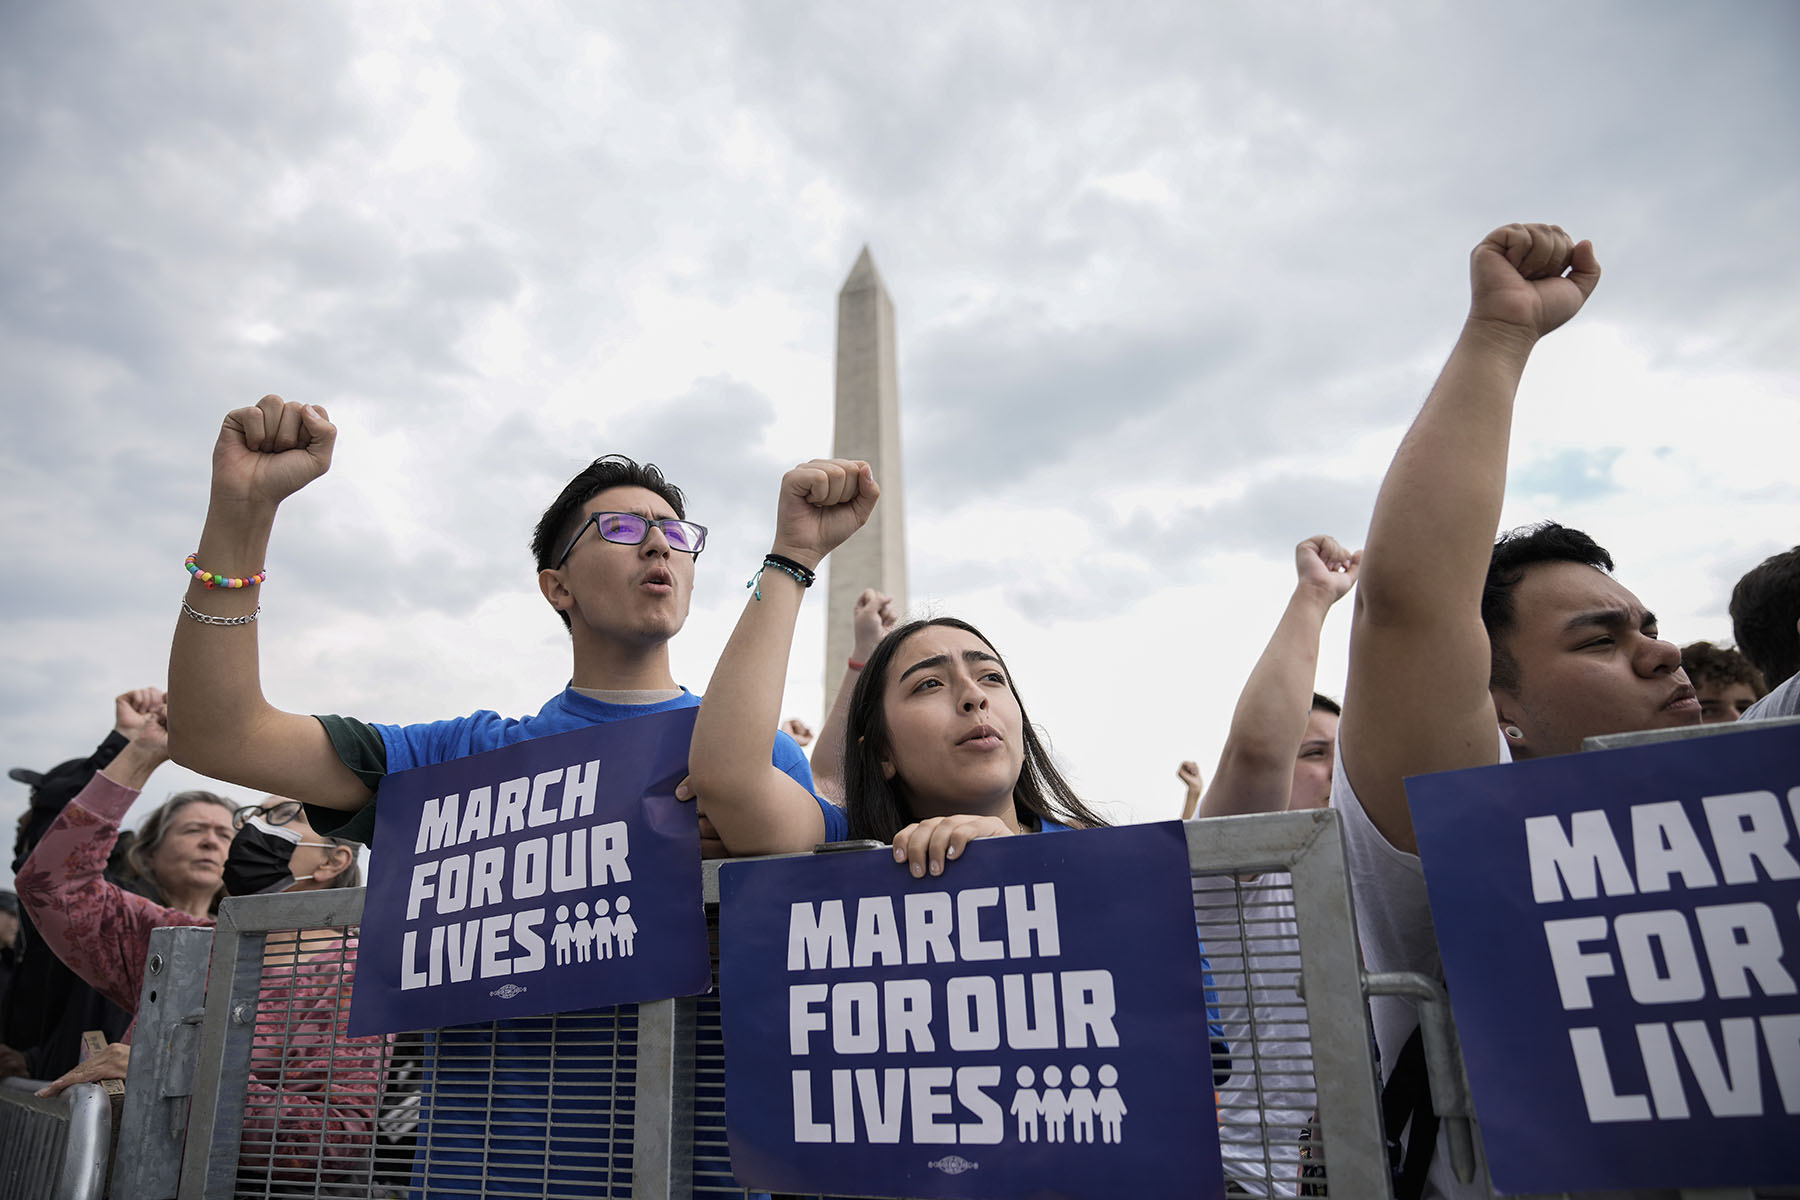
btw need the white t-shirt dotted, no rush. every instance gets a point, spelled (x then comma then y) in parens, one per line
(1393, 918)
(1784, 701)
(1271, 1094)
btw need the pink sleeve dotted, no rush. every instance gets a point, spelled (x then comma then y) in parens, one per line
(314, 1091)
(100, 930)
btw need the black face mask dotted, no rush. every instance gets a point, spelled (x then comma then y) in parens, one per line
(259, 858)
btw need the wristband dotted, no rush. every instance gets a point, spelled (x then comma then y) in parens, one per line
(220, 581)
(786, 566)
(857, 666)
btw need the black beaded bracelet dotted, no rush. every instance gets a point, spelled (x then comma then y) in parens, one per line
(800, 573)
(786, 566)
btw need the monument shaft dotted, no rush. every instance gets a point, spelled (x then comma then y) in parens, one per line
(867, 427)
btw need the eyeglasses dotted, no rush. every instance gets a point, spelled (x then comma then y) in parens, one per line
(275, 814)
(630, 529)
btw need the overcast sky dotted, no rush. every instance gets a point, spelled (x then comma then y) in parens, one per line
(1171, 280)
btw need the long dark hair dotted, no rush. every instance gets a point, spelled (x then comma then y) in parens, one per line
(879, 808)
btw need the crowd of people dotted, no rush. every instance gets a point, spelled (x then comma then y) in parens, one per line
(1465, 651)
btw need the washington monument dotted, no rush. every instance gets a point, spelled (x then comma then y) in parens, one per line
(867, 427)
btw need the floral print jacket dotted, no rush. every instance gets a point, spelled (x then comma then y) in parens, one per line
(313, 1091)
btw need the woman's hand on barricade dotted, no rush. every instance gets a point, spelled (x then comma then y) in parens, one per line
(822, 503)
(110, 1063)
(927, 845)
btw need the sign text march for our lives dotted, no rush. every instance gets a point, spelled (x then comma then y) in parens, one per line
(551, 875)
(1030, 1023)
(1618, 932)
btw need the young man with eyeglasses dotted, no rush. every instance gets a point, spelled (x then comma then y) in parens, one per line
(615, 555)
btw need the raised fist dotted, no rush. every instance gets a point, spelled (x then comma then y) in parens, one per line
(1532, 277)
(1322, 562)
(269, 451)
(1189, 773)
(822, 503)
(874, 617)
(132, 709)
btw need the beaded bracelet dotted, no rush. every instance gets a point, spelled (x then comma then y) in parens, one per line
(786, 566)
(209, 619)
(220, 581)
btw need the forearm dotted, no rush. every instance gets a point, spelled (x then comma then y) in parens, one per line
(828, 755)
(1435, 517)
(1255, 772)
(215, 685)
(729, 766)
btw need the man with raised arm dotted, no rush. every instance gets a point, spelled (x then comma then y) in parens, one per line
(615, 559)
(1277, 755)
(1464, 652)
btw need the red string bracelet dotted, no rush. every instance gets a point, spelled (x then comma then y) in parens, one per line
(220, 581)
(856, 666)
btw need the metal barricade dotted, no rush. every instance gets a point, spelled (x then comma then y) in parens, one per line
(57, 1148)
(630, 1101)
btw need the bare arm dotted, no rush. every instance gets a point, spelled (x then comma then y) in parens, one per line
(1256, 767)
(875, 615)
(224, 727)
(1417, 697)
(755, 806)
(1189, 774)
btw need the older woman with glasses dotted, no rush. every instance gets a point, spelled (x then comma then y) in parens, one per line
(312, 1091)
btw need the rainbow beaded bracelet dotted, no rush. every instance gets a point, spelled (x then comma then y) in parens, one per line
(220, 581)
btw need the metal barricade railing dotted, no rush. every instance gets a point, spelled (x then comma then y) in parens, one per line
(55, 1148)
(630, 1101)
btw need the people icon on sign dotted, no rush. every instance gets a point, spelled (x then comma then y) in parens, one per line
(602, 936)
(584, 940)
(1055, 1105)
(1026, 1105)
(563, 937)
(1111, 1105)
(1080, 1102)
(584, 934)
(624, 927)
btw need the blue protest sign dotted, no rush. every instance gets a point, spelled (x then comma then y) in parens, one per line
(548, 876)
(1030, 1023)
(1614, 929)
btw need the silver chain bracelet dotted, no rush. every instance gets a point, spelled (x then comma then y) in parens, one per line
(209, 619)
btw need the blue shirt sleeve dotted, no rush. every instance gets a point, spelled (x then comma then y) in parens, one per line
(792, 761)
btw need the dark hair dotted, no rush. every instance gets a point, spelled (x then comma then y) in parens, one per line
(1514, 552)
(1722, 666)
(1765, 609)
(563, 517)
(878, 807)
(1322, 703)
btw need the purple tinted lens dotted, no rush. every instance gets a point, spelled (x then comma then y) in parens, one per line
(682, 536)
(625, 528)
